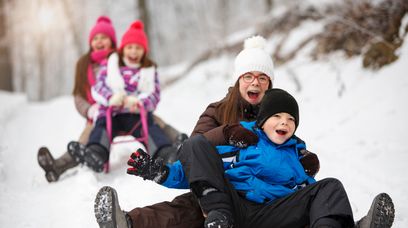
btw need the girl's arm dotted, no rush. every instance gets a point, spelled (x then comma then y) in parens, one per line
(81, 105)
(149, 87)
(101, 92)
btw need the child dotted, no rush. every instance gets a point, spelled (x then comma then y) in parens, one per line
(102, 41)
(129, 80)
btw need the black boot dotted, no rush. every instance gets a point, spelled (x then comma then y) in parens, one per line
(77, 151)
(179, 140)
(380, 215)
(218, 219)
(213, 204)
(54, 167)
(95, 157)
(107, 210)
(167, 154)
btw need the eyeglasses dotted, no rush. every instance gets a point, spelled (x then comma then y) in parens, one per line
(249, 78)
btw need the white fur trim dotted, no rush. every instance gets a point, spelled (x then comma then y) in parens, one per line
(146, 82)
(114, 78)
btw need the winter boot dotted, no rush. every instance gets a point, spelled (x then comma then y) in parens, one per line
(107, 210)
(54, 167)
(218, 219)
(380, 215)
(166, 154)
(77, 151)
(179, 140)
(95, 157)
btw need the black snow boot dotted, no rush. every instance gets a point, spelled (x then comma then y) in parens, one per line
(380, 215)
(77, 151)
(218, 219)
(95, 157)
(54, 167)
(107, 210)
(179, 140)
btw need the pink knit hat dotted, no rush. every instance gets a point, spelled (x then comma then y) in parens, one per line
(135, 34)
(103, 25)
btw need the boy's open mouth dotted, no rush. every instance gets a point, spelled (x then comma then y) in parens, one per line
(281, 132)
(253, 94)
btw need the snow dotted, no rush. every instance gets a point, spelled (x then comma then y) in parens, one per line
(354, 119)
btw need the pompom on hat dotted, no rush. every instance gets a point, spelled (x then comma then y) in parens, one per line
(276, 101)
(135, 34)
(253, 58)
(103, 25)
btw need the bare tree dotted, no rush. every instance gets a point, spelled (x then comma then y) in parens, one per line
(144, 15)
(5, 63)
(75, 31)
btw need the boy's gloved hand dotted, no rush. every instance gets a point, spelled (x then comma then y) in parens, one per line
(238, 136)
(143, 165)
(131, 102)
(310, 162)
(117, 99)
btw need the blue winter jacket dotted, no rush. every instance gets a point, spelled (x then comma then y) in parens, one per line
(263, 172)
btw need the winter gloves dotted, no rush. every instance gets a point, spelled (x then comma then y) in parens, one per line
(117, 99)
(131, 103)
(310, 162)
(237, 135)
(143, 165)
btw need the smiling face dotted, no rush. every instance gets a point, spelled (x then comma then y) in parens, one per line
(279, 127)
(133, 53)
(254, 91)
(101, 42)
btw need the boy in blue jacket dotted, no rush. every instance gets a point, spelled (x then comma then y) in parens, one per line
(265, 185)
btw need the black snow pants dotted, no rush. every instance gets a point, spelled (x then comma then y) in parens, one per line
(324, 200)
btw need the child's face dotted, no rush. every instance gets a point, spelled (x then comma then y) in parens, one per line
(133, 53)
(101, 42)
(279, 127)
(253, 91)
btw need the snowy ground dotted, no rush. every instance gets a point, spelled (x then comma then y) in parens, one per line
(355, 120)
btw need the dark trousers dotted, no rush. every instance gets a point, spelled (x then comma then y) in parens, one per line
(122, 124)
(182, 212)
(325, 199)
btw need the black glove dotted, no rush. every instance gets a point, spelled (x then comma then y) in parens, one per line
(310, 162)
(238, 136)
(143, 165)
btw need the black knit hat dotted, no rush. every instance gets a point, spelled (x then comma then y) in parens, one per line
(276, 101)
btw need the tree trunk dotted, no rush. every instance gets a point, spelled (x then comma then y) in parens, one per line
(5, 63)
(144, 15)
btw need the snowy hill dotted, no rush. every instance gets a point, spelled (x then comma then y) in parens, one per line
(355, 120)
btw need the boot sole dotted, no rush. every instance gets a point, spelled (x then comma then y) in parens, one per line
(104, 207)
(46, 162)
(384, 212)
(74, 150)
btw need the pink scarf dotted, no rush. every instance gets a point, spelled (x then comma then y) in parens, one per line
(97, 57)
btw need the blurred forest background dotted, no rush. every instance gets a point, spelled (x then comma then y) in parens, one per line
(40, 40)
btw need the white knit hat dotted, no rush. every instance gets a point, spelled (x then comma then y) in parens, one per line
(253, 58)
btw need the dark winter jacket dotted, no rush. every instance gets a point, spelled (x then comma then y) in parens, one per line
(210, 125)
(263, 172)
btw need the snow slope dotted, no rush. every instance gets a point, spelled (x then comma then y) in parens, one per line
(354, 119)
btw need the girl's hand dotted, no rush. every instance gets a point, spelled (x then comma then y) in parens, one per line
(131, 103)
(117, 99)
